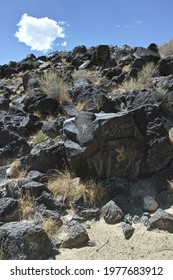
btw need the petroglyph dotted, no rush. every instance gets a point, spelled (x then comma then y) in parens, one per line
(84, 128)
(121, 155)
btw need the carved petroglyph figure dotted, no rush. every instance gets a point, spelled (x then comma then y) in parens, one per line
(83, 127)
(120, 156)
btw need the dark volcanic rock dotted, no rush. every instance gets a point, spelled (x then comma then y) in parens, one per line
(8, 210)
(24, 125)
(100, 55)
(34, 188)
(161, 220)
(119, 144)
(128, 230)
(45, 156)
(112, 213)
(24, 241)
(39, 101)
(11, 144)
(165, 83)
(76, 235)
(165, 66)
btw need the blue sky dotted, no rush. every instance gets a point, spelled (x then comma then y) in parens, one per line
(39, 26)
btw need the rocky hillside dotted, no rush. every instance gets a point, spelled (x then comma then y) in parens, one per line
(90, 132)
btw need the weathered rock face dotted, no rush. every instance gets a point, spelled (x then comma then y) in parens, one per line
(45, 156)
(11, 144)
(161, 220)
(25, 241)
(8, 210)
(75, 235)
(112, 213)
(117, 144)
(166, 66)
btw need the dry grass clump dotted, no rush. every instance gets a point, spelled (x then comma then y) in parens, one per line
(54, 86)
(51, 227)
(148, 71)
(37, 114)
(143, 80)
(166, 49)
(170, 186)
(79, 106)
(93, 193)
(39, 137)
(26, 207)
(15, 170)
(73, 189)
(171, 134)
(89, 75)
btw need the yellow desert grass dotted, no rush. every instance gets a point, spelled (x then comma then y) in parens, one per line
(89, 75)
(51, 227)
(26, 207)
(166, 49)
(39, 137)
(72, 189)
(54, 86)
(143, 79)
(14, 170)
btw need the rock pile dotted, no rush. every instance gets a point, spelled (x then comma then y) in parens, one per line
(83, 120)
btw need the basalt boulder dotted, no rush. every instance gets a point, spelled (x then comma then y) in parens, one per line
(45, 156)
(123, 144)
(11, 144)
(24, 241)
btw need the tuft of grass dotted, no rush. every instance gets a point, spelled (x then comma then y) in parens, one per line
(89, 75)
(170, 185)
(171, 135)
(166, 49)
(26, 207)
(14, 171)
(143, 80)
(39, 137)
(79, 106)
(37, 114)
(148, 71)
(54, 86)
(51, 227)
(73, 189)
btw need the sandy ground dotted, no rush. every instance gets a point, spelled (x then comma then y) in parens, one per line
(111, 244)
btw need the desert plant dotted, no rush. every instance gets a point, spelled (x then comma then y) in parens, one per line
(79, 106)
(148, 71)
(144, 79)
(171, 134)
(166, 49)
(39, 137)
(73, 189)
(51, 227)
(54, 86)
(14, 171)
(26, 208)
(88, 75)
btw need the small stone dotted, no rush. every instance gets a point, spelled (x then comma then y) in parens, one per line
(149, 203)
(112, 213)
(128, 230)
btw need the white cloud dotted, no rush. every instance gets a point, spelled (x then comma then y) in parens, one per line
(118, 26)
(138, 21)
(39, 33)
(64, 44)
